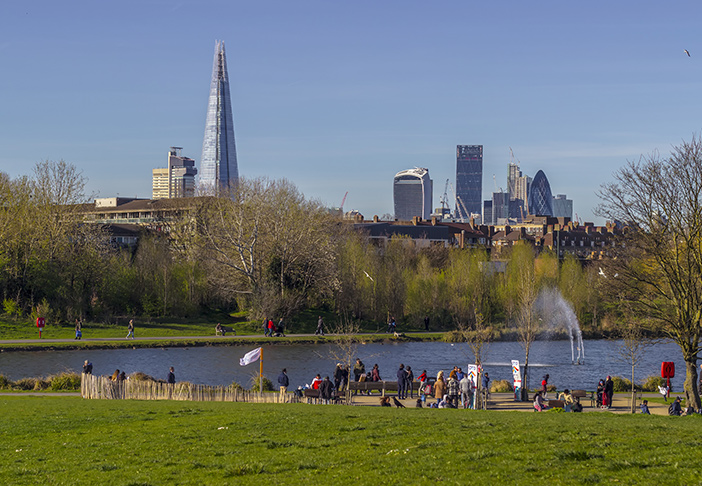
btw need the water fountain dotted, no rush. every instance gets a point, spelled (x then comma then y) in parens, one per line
(558, 314)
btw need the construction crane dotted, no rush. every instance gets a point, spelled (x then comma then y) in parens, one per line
(444, 198)
(341, 206)
(463, 213)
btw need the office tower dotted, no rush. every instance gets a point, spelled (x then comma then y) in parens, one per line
(562, 206)
(218, 166)
(518, 188)
(412, 193)
(469, 179)
(540, 197)
(177, 179)
(487, 212)
(500, 207)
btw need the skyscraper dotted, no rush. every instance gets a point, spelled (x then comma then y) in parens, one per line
(218, 166)
(176, 180)
(540, 197)
(412, 193)
(469, 179)
(562, 206)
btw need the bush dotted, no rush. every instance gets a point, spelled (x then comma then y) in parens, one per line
(139, 376)
(621, 384)
(267, 384)
(501, 386)
(236, 386)
(65, 381)
(11, 308)
(651, 383)
(453, 337)
(25, 384)
(5, 383)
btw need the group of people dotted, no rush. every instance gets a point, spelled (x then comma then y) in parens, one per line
(120, 376)
(271, 330)
(605, 392)
(456, 391)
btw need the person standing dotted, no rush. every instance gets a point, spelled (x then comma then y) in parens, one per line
(338, 375)
(171, 376)
(486, 384)
(426, 323)
(609, 391)
(326, 389)
(265, 327)
(130, 329)
(453, 390)
(79, 330)
(401, 383)
(283, 382)
(320, 326)
(410, 382)
(466, 387)
(439, 386)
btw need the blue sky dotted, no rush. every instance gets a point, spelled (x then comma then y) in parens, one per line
(339, 96)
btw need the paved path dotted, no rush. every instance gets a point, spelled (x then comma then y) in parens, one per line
(177, 338)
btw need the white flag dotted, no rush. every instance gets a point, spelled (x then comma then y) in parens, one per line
(250, 357)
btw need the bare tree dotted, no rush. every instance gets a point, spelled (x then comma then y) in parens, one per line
(632, 349)
(659, 259)
(522, 291)
(345, 341)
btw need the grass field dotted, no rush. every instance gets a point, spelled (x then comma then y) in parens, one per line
(68, 440)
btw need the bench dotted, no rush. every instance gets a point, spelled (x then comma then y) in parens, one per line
(381, 386)
(584, 394)
(556, 404)
(312, 396)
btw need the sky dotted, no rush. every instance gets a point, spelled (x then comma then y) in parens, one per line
(340, 96)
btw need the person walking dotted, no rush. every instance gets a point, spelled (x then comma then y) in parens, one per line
(79, 330)
(283, 382)
(281, 327)
(130, 329)
(320, 326)
(544, 386)
(410, 382)
(265, 327)
(171, 376)
(271, 328)
(401, 383)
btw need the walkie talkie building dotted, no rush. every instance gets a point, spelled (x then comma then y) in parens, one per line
(218, 166)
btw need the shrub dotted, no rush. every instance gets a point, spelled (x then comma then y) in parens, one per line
(25, 384)
(139, 376)
(5, 383)
(65, 381)
(453, 337)
(621, 384)
(651, 383)
(236, 386)
(267, 384)
(501, 386)
(11, 308)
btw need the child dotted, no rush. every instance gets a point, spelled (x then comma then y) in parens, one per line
(644, 408)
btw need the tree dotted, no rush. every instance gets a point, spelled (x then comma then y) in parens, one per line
(521, 292)
(659, 259)
(632, 349)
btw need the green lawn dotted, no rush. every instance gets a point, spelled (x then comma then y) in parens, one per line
(68, 440)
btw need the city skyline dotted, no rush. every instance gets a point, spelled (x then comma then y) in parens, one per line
(575, 93)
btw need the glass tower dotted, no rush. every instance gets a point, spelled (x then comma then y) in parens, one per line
(218, 167)
(540, 197)
(469, 179)
(412, 193)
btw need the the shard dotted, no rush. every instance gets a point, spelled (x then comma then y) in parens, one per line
(218, 168)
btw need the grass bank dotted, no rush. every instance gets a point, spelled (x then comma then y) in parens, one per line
(74, 441)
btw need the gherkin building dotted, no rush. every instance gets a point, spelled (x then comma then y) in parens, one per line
(540, 197)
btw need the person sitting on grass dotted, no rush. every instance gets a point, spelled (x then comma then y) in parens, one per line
(577, 406)
(539, 402)
(675, 408)
(644, 408)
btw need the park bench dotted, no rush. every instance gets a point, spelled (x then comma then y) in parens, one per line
(556, 404)
(224, 331)
(584, 394)
(312, 396)
(382, 386)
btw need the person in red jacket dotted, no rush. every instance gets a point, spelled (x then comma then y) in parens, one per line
(271, 327)
(316, 381)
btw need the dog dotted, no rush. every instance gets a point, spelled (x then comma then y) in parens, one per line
(385, 402)
(398, 403)
(419, 403)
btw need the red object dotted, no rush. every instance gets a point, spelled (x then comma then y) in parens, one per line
(40, 322)
(667, 369)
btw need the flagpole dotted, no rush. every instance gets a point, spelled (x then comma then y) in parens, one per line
(260, 373)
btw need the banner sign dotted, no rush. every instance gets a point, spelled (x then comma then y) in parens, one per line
(473, 374)
(516, 373)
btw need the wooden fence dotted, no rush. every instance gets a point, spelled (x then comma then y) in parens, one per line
(101, 387)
